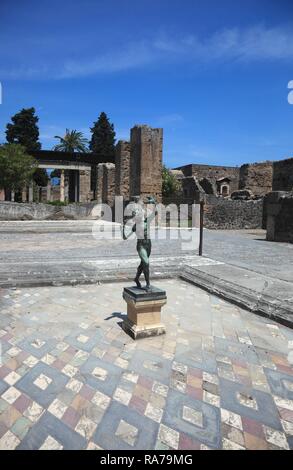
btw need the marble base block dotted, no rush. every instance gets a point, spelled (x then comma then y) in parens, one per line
(144, 312)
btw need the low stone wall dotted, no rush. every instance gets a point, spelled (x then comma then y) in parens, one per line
(34, 211)
(230, 214)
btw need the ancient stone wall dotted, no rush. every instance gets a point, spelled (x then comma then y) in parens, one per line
(279, 212)
(221, 213)
(122, 165)
(283, 175)
(257, 177)
(212, 174)
(146, 161)
(189, 186)
(39, 211)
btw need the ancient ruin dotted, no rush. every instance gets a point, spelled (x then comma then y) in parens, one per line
(234, 197)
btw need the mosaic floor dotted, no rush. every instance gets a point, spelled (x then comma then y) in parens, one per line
(70, 378)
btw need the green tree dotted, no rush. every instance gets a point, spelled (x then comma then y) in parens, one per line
(103, 138)
(170, 185)
(24, 130)
(41, 177)
(16, 167)
(73, 141)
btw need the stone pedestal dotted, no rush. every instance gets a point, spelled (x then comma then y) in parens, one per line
(144, 312)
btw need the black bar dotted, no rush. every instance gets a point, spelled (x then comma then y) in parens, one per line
(201, 228)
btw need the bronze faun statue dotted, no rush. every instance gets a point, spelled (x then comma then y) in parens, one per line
(144, 245)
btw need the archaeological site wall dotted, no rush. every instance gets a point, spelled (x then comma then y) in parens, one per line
(283, 175)
(122, 169)
(256, 177)
(220, 213)
(108, 189)
(85, 193)
(146, 146)
(39, 211)
(212, 174)
(279, 210)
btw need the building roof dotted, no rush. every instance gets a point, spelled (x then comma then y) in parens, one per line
(75, 157)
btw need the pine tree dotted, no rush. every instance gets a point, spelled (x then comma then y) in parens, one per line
(24, 130)
(103, 138)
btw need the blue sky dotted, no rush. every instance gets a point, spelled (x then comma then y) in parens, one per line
(213, 74)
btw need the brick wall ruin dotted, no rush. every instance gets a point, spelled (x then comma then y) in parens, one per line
(109, 183)
(105, 184)
(122, 164)
(279, 211)
(283, 175)
(137, 169)
(205, 174)
(257, 177)
(146, 161)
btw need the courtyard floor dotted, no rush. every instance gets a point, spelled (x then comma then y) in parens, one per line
(70, 378)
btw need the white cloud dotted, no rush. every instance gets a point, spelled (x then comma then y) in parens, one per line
(256, 43)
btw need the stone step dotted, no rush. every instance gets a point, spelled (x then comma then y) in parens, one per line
(258, 293)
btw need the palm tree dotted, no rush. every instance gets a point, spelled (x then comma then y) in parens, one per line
(71, 142)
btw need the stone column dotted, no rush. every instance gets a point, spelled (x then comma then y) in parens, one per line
(12, 196)
(146, 161)
(84, 185)
(99, 182)
(62, 186)
(76, 186)
(109, 184)
(24, 195)
(122, 161)
(31, 193)
(49, 191)
(66, 186)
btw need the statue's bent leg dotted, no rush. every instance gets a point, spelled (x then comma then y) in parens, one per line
(138, 273)
(143, 253)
